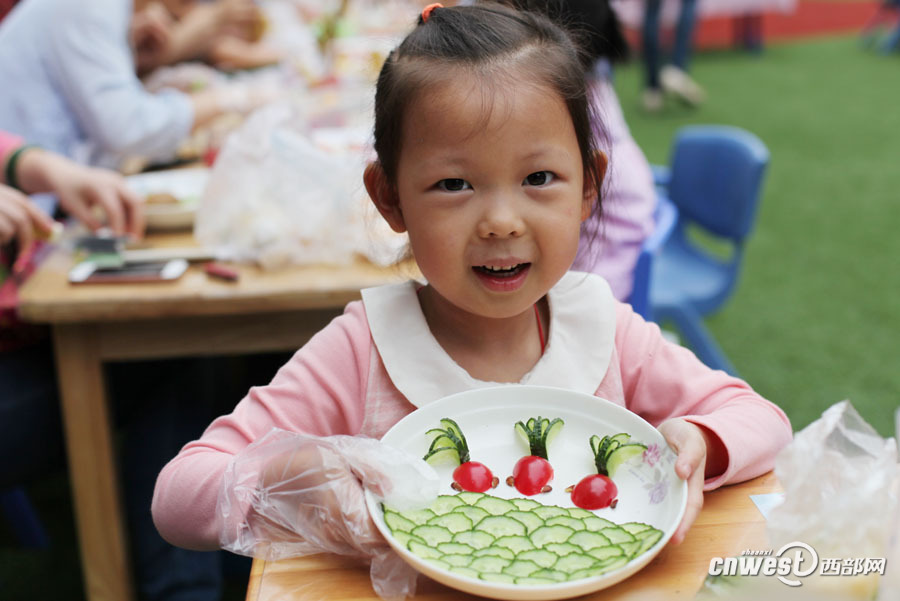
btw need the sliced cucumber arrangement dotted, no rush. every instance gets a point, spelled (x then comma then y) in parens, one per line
(518, 541)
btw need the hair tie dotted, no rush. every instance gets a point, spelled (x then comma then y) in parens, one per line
(426, 12)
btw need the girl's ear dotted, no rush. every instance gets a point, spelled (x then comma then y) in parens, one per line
(384, 196)
(591, 193)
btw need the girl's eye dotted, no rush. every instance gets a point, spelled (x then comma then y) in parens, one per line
(539, 178)
(453, 185)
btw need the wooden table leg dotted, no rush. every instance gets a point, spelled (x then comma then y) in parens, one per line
(104, 553)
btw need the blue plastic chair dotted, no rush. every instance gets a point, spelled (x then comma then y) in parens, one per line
(664, 216)
(22, 519)
(714, 181)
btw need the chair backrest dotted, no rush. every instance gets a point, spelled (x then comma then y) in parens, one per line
(664, 216)
(716, 176)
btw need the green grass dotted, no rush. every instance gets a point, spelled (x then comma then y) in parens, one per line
(815, 317)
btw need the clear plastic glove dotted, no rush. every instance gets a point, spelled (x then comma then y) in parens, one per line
(289, 495)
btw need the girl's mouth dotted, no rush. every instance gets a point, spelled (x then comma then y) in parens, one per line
(502, 278)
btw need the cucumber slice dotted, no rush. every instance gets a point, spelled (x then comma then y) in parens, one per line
(397, 522)
(469, 498)
(634, 527)
(615, 535)
(494, 505)
(525, 504)
(531, 521)
(454, 522)
(455, 549)
(565, 520)
(438, 563)
(596, 524)
(457, 560)
(442, 455)
(574, 562)
(621, 437)
(550, 534)
(404, 537)
(562, 549)
(445, 504)
(476, 514)
(606, 552)
(579, 513)
(490, 563)
(499, 525)
(418, 516)
(521, 567)
(623, 454)
(612, 563)
(495, 552)
(650, 539)
(588, 540)
(441, 440)
(424, 551)
(630, 547)
(534, 581)
(542, 557)
(554, 575)
(545, 512)
(516, 544)
(596, 441)
(501, 578)
(432, 535)
(474, 539)
(522, 431)
(551, 429)
(453, 427)
(465, 571)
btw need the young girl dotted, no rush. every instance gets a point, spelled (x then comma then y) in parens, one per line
(486, 159)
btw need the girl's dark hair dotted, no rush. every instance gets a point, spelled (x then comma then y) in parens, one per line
(489, 39)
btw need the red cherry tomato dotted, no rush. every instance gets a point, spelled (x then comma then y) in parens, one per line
(531, 473)
(594, 492)
(473, 476)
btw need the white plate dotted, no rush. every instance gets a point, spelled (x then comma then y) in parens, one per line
(649, 490)
(187, 185)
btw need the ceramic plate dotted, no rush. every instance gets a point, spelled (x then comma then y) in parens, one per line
(649, 490)
(186, 185)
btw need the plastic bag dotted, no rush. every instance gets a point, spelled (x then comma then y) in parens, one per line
(276, 198)
(290, 495)
(838, 476)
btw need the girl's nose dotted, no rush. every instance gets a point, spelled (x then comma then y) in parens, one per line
(501, 219)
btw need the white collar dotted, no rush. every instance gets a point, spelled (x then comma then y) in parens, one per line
(582, 335)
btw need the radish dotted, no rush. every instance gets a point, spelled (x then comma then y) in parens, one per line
(598, 490)
(532, 473)
(449, 443)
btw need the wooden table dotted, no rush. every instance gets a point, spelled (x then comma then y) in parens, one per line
(195, 315)
(728, 524)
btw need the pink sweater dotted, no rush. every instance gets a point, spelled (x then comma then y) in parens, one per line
(341, 382)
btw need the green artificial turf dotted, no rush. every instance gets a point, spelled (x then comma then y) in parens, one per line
(815, 318)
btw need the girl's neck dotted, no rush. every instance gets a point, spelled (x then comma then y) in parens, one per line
(494, 350)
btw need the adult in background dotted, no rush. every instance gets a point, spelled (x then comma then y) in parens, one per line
(68, 71)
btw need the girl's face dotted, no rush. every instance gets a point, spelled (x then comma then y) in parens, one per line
(491, 190)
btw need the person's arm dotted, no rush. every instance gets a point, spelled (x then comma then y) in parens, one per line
(80, 189)
(320, 391)
(664, 381)
(91, 62)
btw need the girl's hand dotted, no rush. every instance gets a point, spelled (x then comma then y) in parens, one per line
(82, 189)
(689, 441)
(19, 220)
